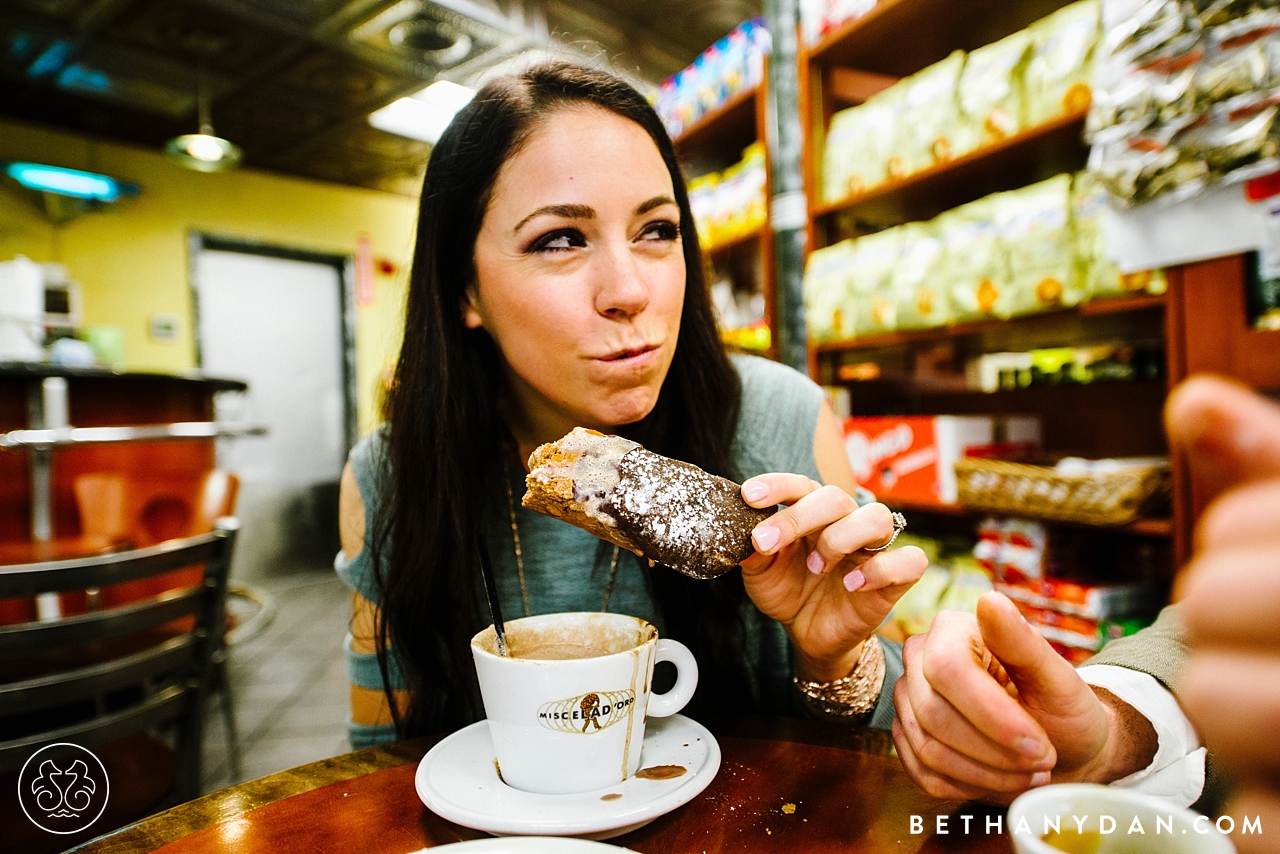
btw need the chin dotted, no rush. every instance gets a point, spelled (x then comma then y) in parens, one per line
(629, 408)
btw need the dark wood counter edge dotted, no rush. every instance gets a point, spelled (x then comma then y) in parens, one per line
(184, 819)
(33, 370)
(162, 828)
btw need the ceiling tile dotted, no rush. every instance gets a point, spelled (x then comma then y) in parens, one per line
(195, 34)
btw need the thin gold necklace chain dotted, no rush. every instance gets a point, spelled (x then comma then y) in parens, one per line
(515, 537)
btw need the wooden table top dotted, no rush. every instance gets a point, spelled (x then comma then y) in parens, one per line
(784, 785)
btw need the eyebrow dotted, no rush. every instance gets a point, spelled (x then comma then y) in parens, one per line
(566, 211)
(585, 212)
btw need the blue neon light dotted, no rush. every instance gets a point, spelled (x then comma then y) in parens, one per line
(69, 182)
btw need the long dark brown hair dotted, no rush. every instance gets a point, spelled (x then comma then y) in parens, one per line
(447, 440)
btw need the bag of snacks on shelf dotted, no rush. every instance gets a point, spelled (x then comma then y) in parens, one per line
(859, 145)
(1234, 140)
(702, 202)
(1133, 30)
(755, 183)
(1100, 277)
(1211, 13)
(874, 258)
(1138, 169)
(1238, 62)
(1035, 229)
(990, 93)
(828, 315)
(1057, 80)
(929, 113)
(972, 261)
(921, 295)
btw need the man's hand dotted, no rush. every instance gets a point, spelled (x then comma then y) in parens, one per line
(986, 709)
(1231, 604)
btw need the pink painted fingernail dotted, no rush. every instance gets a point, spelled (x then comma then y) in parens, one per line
(815, 563)
(754, 490)
(1039, 779)
(765, 537)
(854, 580)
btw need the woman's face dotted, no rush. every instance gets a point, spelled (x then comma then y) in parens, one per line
(580, 273)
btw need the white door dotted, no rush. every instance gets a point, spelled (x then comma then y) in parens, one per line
(277, 324)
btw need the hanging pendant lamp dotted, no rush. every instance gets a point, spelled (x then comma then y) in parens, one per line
(204, 151)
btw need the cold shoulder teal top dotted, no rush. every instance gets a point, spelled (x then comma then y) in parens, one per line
(567, 570)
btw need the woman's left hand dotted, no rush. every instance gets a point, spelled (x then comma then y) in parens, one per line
(809, 573)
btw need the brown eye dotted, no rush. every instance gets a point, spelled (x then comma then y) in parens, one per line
(664, 231)
(560, 240)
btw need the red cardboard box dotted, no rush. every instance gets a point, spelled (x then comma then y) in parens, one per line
(911, 458)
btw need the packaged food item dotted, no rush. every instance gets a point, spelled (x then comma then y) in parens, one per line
(919, 291)
(912, 458)
(1012, 551)
(1136, 29)
(870, 279)
(990, 93)
(827, 302)
(859, 145)
(702, 201)
(1225, 145)
(1057, 79)
(1100, 277)
(733, 64)
(972, 261)
(1140, 168)
(928, 118)
(1034, 224)
(1090, 601)
(914, 612)
(968, 583)
(1238, 61)
(1211, 13)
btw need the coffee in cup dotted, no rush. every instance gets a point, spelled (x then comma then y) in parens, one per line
(567, 707)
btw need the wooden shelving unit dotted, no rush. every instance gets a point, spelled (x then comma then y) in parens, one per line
(896, 39)
(1118, 305)
(712, 143)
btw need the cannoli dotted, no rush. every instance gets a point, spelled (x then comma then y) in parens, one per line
(670, 512)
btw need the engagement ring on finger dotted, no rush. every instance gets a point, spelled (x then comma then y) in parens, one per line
(899, 522)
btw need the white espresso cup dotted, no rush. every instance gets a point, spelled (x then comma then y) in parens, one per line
(567, 708)
(1108, 820)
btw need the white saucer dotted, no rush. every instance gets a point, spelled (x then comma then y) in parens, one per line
(526, 845)
(458, 781)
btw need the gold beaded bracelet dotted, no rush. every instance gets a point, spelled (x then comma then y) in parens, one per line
(852, 695)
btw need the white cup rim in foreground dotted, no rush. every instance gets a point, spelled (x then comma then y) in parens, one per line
(1163, 822)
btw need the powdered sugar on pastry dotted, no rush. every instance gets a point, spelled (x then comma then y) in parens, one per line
(668, 511)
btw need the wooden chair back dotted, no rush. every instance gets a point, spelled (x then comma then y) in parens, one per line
(124, 669)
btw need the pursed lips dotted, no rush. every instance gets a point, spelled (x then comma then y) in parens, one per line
(630, 353)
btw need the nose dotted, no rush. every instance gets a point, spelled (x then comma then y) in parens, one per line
(621, 289)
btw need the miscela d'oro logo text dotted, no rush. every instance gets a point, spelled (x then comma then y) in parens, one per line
(587, 713)
(63, 788)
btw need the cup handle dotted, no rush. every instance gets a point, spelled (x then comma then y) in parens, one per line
(662, 705)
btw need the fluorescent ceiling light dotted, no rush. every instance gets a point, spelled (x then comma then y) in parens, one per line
(423, 115)
(69, 182)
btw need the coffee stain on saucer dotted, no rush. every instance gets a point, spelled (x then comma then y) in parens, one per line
(661, 772)
(498, 768)
(612, 796)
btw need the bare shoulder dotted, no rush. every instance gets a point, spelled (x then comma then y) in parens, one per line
(350, 514)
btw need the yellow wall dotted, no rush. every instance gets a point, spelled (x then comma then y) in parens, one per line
(132, 259)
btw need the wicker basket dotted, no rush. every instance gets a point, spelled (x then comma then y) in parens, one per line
(1019, 489)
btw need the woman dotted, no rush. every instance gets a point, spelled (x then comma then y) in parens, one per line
(557, 282)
